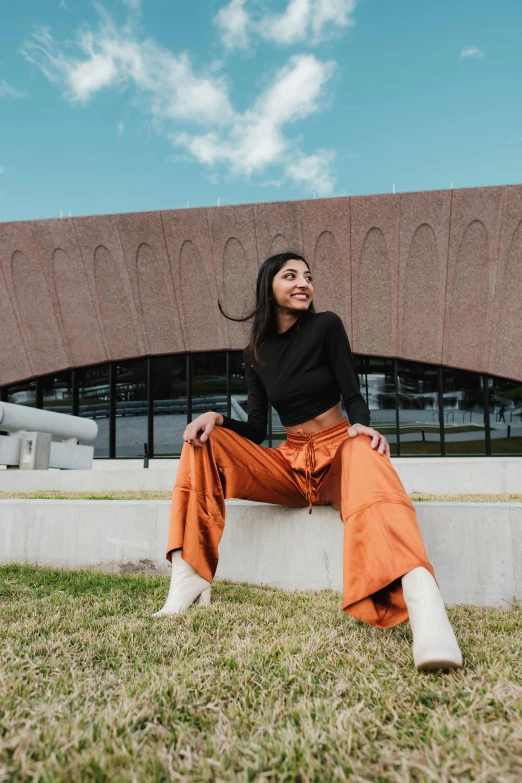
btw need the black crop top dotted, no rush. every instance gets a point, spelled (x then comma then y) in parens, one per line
(308, 366)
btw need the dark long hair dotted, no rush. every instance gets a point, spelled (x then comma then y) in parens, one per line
(265, 322)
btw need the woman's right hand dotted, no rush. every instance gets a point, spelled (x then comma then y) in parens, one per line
(204, 424)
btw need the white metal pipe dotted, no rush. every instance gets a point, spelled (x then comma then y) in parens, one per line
(62, 425)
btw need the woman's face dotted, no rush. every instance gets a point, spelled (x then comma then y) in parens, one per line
(292, 286)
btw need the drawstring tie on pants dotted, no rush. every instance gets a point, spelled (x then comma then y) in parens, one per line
(309, 442)
(309, 469)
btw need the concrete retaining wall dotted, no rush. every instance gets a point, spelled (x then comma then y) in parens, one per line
(438, 475)
(476, 548)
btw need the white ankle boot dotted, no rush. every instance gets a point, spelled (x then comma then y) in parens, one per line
(187, 587)
(434, 643)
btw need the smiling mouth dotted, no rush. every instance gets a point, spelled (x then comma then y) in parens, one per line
(300, 296)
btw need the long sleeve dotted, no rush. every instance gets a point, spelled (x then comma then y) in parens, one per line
(255, 429)
(343, 366)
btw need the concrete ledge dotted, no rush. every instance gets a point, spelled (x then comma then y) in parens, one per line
(476, 548)
(437, 475)
(87, 480)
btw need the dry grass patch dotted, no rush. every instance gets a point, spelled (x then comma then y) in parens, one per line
(57, 494)
(264, 685)
(417, 497)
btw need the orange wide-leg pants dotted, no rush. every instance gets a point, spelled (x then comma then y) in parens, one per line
(382, 540)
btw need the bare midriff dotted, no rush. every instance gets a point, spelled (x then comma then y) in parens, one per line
(326, 419)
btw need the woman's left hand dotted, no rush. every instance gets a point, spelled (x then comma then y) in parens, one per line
(377, 438)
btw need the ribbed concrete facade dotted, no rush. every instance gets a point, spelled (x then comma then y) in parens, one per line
(431, 277)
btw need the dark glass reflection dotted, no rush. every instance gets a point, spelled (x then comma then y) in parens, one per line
(131, 408)
(169, 391)
(419, 429)
(238, 389)
(505, 416)
(94, 394)
(23, 393)
(57, 392)
(463, 413)
(378, 388)
(209, 383)
(20, 394)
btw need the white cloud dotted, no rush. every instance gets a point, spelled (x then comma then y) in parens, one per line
(303, 21)
(313, 171)
(121, 127)
(290, 26)
(233, 21)
(472, 51)
(255, 139)
(6, 91)
(114, 57)
(195, 110)
(1, 170)
(335, 12)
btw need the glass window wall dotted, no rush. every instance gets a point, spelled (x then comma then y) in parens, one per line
(463, 413)
(419, 429)
(209, 383)
(23, 393)
(131, 408)
(169, 389)
(505, 416)
(94, 398)
(377, 383)
(57, 392)
(417, 392)
(20, 394)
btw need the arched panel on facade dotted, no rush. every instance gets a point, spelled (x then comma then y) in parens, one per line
(373, 322)
(466, 339)
(279, 244)
(278, 227)
(75, 309)
(396, 246)
(155, 303)
(421, 295)
(330, 291)
(13, 361)
(239, 279)
(117, 319)
(199, 320)
(507, 303)
(36, 314)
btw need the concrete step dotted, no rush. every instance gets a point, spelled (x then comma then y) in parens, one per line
(437, 475)
(476, 548)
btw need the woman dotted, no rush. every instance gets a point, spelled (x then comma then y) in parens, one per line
(301, 362)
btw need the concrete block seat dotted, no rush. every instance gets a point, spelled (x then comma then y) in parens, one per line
(476, 548)
(436, 475)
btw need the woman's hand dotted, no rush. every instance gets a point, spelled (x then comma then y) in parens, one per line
(204, 424)
(377, 438)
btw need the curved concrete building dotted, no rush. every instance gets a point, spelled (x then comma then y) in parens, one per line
(431, 277)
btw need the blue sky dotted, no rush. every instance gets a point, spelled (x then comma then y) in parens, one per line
(122, 105)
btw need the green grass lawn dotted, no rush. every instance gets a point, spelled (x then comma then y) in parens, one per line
(264, 685)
